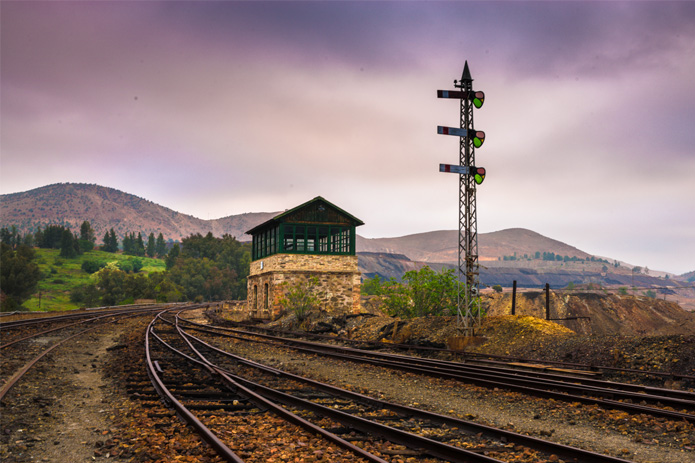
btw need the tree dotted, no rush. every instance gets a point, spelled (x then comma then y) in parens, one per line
(422, 293)
(51, 237)
(10, 236)
(110, 285)
(19, 275)
(174, 253)
(67, 245)
(151, 246)
(87, 237)
(92, 265)
(372, 286)
(139, 246)
(160, 247)
(110, 241)
(497, 288)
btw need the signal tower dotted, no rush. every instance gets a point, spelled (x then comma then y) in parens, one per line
(469, 177)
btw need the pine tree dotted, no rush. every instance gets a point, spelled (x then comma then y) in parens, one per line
(139, 246)
(150, 250)
(87, 237)
(160, 246)
(67, 245)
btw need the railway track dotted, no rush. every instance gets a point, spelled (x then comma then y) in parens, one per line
(26, 342)
(356, 417)
(658, 402)
(589, 370)
(247, 411)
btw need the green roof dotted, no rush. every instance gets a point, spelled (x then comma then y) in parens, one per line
(317, 210)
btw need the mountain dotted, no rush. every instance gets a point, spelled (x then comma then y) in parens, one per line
(505, 255)
(442, 246)
(69, 204)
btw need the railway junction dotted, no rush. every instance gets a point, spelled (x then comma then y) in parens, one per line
(180, 383)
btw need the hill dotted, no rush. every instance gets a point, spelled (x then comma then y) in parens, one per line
(505, 255)
(442, 246)
(69, 204)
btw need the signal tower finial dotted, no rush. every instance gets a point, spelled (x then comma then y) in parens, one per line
(466, 76)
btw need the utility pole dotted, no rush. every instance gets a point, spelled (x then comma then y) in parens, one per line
(470, 176)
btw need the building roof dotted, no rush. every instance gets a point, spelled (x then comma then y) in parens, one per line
(317, 210)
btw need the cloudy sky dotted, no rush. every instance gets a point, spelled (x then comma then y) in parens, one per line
(220, 108)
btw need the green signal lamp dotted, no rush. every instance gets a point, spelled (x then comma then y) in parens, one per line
(478, 99)
(478, 138)
(478, 174)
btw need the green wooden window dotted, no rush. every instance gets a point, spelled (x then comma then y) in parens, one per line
(297, 238)
(265, 243)
(317, 239)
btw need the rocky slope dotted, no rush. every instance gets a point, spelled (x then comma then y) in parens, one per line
(69, 204)
(602, 314)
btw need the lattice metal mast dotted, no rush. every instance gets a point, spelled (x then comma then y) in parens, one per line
(469, 177)
(469, 269)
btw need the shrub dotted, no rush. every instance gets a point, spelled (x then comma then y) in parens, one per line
(92, 265)
(301, 298)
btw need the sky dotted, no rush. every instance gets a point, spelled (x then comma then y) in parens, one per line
(220, 108)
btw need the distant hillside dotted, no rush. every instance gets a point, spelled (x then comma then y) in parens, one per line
(442, 246)
(69, 204)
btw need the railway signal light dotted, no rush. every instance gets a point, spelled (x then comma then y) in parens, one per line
(477, 98)
(478, 136)
(478, 173)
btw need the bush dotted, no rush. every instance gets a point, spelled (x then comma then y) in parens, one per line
(301, 298)
(92, 265)
(497, 288)
(423, 293)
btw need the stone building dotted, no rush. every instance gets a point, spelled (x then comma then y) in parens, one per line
(315, 239)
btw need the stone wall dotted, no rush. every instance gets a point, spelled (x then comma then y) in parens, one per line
(269, 278)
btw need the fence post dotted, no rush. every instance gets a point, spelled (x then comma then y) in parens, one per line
(514, 297)
(547, 301)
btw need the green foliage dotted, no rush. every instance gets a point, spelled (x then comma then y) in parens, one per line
(133, 245)
(59, 296)
(160, 247)
(69, 246)
(110, 241)
(223, 262)
(570, 285)
(202, 268)
(174, 253)
(497, 288)
(301, 298)
(151, 244)
(130, 265)
(92, 265)
(372, 286)
(622, 291)
(650, 293)
(19, 275)
(51, 237)
(87, 237)
(422, 293)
